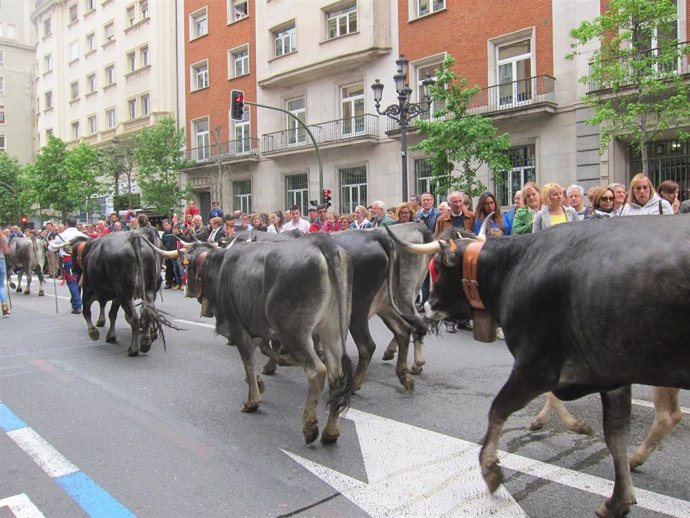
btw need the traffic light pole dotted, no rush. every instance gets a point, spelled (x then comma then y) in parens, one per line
(311, 136)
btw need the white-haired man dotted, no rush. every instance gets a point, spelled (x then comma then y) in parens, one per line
(576, 196)
(379, 216)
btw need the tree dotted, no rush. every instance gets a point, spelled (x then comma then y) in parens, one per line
(117, 163)
(457, 141)
(10, 208)
(636, 89)
(61, 179)
(158, 152)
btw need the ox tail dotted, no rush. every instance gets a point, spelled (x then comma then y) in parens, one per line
(414, 321)
(340, 268)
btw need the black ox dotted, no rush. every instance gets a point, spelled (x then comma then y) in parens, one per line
(27, 254)
(288, 291)
(119, 267)
(586, 307)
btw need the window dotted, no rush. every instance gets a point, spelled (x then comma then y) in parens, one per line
(295, 132)
(297, 191)
(425, 7)
(47, 27)
(523, 170)
(2, 115)
(199, 76)
(91, 83)
(48, 100)
(91, 42)
(243, 134)
(422, 73)
(10, 31)
(202, 140)
(89, 5)
(132, 108)
(3, 145)
(47, 63)
(73, 14)
(353, 191)
(75, 130)
(242, 195)
(144, 9)
(514, 70)
(109, 32)
(110, 118)
(131, 62)
(92, 125)
(342, 21)
(239, 61)
(145, 105)
(352, 108)
(110, 75)
(238, 9)
(198, 24)
(425, 180)
(73, 51)
(131, 17)
(74, 90)
(144, 56)
(2, 58)
(2, 85)
(285, 41)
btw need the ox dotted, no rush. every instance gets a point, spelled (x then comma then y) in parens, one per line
(28, 255)
(385, 284)
(576, 319)
(288, 291)
(117, 267)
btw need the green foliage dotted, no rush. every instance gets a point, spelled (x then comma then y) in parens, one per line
(158, 152)
(637, 91)
(61, 179)
(457, 141)
(10, 207)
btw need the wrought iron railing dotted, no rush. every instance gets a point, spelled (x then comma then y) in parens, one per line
(637, 63)
(516, 94)
(340, 130)
(233, 149)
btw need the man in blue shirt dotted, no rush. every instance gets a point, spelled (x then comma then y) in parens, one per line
(428, 215)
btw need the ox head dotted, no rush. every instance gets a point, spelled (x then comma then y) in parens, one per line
(194, 256)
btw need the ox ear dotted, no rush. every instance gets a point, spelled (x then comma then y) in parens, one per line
(450, 254)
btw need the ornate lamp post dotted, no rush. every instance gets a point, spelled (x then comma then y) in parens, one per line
(404, 111)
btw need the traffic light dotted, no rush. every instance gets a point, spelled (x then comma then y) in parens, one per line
(327, 198)
(24, 220)
(237, 105)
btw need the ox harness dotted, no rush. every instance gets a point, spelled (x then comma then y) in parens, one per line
(469, 274)
(198, 270)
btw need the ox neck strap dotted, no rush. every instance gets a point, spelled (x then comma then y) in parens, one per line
(469, 274)
(198, 273)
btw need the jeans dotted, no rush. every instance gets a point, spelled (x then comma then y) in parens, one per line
(3, 274)
(73, 284)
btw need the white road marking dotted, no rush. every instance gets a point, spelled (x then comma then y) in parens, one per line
(200, 324)
(21, 506)
(43, 454)
(416, 472)
(649, 404)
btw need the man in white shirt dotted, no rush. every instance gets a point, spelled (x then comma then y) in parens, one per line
(71, 279)
(296, 221)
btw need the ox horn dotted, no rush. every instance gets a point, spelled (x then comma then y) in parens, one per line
(170, 254)
(482, 230)
(420, 249)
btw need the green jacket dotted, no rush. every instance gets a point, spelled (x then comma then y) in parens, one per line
(522, 223)
(385, 220)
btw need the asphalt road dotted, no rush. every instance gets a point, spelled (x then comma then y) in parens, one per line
(162, 435)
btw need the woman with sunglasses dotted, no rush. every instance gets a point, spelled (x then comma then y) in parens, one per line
(602, 203)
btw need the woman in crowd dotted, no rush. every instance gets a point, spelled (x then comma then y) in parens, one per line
(620, 195)
(555, 212)
(217, 232)
(531, 204)
(360, 220)
(643, 200)
(345, 221)
(259, 221)
(485, 206)
(331, 223)
(277, 222)
(4, 249)
(404, 213)
(669, 190)
(602, 199)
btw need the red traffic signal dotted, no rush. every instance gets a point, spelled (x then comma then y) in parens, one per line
(327, 198)
(24, 220)
(237, 105)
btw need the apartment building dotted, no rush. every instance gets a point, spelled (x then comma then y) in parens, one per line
(317, 61)
(105, 69)
(17, 62)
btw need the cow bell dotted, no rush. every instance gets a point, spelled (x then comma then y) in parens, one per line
(484, 326)
(206, 308)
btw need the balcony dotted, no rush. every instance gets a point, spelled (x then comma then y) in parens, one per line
(636, 65)
(526, 96)
(362, 128)
(233, 150)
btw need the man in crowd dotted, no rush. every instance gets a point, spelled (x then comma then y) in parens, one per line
(427, 215)
(170, 244)
(296, 221)
(71, 278)
(379, 216)
(576, 196)
(216, 211)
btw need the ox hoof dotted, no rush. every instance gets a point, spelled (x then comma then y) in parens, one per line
(535, 426)
(18, 290)
(100, 323)
(310, 433)
(12, 285)
(131, 352)
(493, 475)
(408, 383)
(635, 462)
(609, 510)
(327, 438)
(416, 369)
(388, 354)
(111, 339)
(41, 293)
(145, 346)
(269, 369)
(250, 406)
(27, 292)
(581, 428)
(94, 334)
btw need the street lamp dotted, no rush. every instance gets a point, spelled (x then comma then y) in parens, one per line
(404, 111)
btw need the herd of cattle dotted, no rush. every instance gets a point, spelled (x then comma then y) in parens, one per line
(587, 307)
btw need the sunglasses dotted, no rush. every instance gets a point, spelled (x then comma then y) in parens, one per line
(606, 198)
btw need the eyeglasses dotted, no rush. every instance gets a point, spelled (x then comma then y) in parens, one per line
(606, 198)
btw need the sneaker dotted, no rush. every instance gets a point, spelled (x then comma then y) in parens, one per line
(167, 287)
(450, 327)
(499, 333)
(76, 311)
(466, 326)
